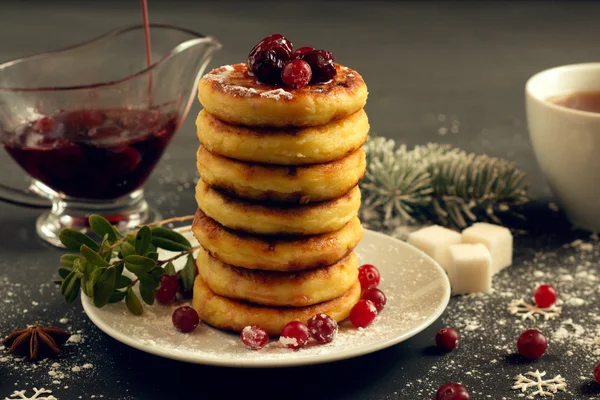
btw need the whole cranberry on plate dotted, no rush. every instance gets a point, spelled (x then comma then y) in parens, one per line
(254, 337)
(532, 344)
(376, 296)
(185, 319)
(323, 328)
(294, 335)
(363, 313)
(368, 276)
(267, 58)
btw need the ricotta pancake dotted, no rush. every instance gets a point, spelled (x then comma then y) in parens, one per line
(288, 184)
(274, 253)
(232, 95)
(283, 146)
(276, 218)
(235, 315)
(273, 288)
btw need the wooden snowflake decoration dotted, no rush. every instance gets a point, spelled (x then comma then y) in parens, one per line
(530, 311)
(39, 394)
(545, 387)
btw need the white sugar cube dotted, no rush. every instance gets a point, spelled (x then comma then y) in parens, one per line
(471, 268)
(434, 241)
(497, 239)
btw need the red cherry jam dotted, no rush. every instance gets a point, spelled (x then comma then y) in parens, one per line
(322, 65)
(92, 154)
(267, 58)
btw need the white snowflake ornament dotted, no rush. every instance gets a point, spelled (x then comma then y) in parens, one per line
(531, 311)
(545, 387)
(39, 394)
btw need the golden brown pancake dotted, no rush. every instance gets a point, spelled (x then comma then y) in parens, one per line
(284, 146)
(273, 253)
(234, 96)
(288, 184)
(235, 315)
(272, 288)
(271, 218)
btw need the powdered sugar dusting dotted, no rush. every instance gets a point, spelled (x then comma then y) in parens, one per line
(223, 74)
(276, 94)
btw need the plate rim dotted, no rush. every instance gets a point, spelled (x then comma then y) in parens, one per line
(290, 362)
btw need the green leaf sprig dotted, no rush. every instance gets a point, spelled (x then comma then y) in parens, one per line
(97, 268)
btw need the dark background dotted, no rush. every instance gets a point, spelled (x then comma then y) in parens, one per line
(450, 72)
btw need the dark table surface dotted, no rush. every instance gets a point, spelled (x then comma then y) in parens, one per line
(427, 65)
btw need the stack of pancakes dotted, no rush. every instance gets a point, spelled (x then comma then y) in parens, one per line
(278, 199)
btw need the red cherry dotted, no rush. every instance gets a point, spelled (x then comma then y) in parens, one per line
(166, 292)
(296, 74)
(376, 296)
(452, 391)
(545, 296)
(294, 335)
(369, 276)
(323, 328)
(322, 65)
(254, 337)
(302, 50)
(447, 339)
(597, 373)
(185, 319)
(363, 313)
(532, 344)
(267, 58)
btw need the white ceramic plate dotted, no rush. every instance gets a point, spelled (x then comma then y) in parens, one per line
(417, 292)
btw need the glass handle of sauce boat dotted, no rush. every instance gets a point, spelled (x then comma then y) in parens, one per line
(21, 197)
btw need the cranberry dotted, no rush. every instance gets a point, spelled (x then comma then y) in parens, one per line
(166, 292)
(266, 59)
(296, 73)
(294, 335)
(185, 319)
(376, 296)
(369, 277)
(452, 391)
(323, 328)
(254, 337)
(597, 373)
(532, 344)
(302, 50)
(321, 63)
(447, 339)
(363, 313)
(545, 296)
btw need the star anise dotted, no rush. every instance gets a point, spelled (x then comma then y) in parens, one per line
(36, 342)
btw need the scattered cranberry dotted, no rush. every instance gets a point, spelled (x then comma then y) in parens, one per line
(376, 296)
(323, 328)
(185, 319)
(532, 344)
(321, 63)
(597, 373)
(166, 292)
(447, 339)
(254, 337)
(267, 58)
(296, 74)
(369, 277)
(452, 391)
(363, 313)
(302, 50)
(545, 296)
(294, 335)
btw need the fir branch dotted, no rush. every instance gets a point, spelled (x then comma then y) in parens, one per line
(440, 182)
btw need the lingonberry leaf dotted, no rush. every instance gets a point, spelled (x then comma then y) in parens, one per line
(93, 257)
(68, 259)
(63, 272)
(139, 265)
(68, 284)
(153, 255)
(127, 249)
(73, 240)
(122, 282)
(104, 287)
(147, 289)
(143, 239)
(188, 274)
(133, 302)
(116, 296)
(169, 239)
(101, 227)
(72, 295)
(170, 269)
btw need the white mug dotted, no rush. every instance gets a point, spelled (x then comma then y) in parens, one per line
(566, 141)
